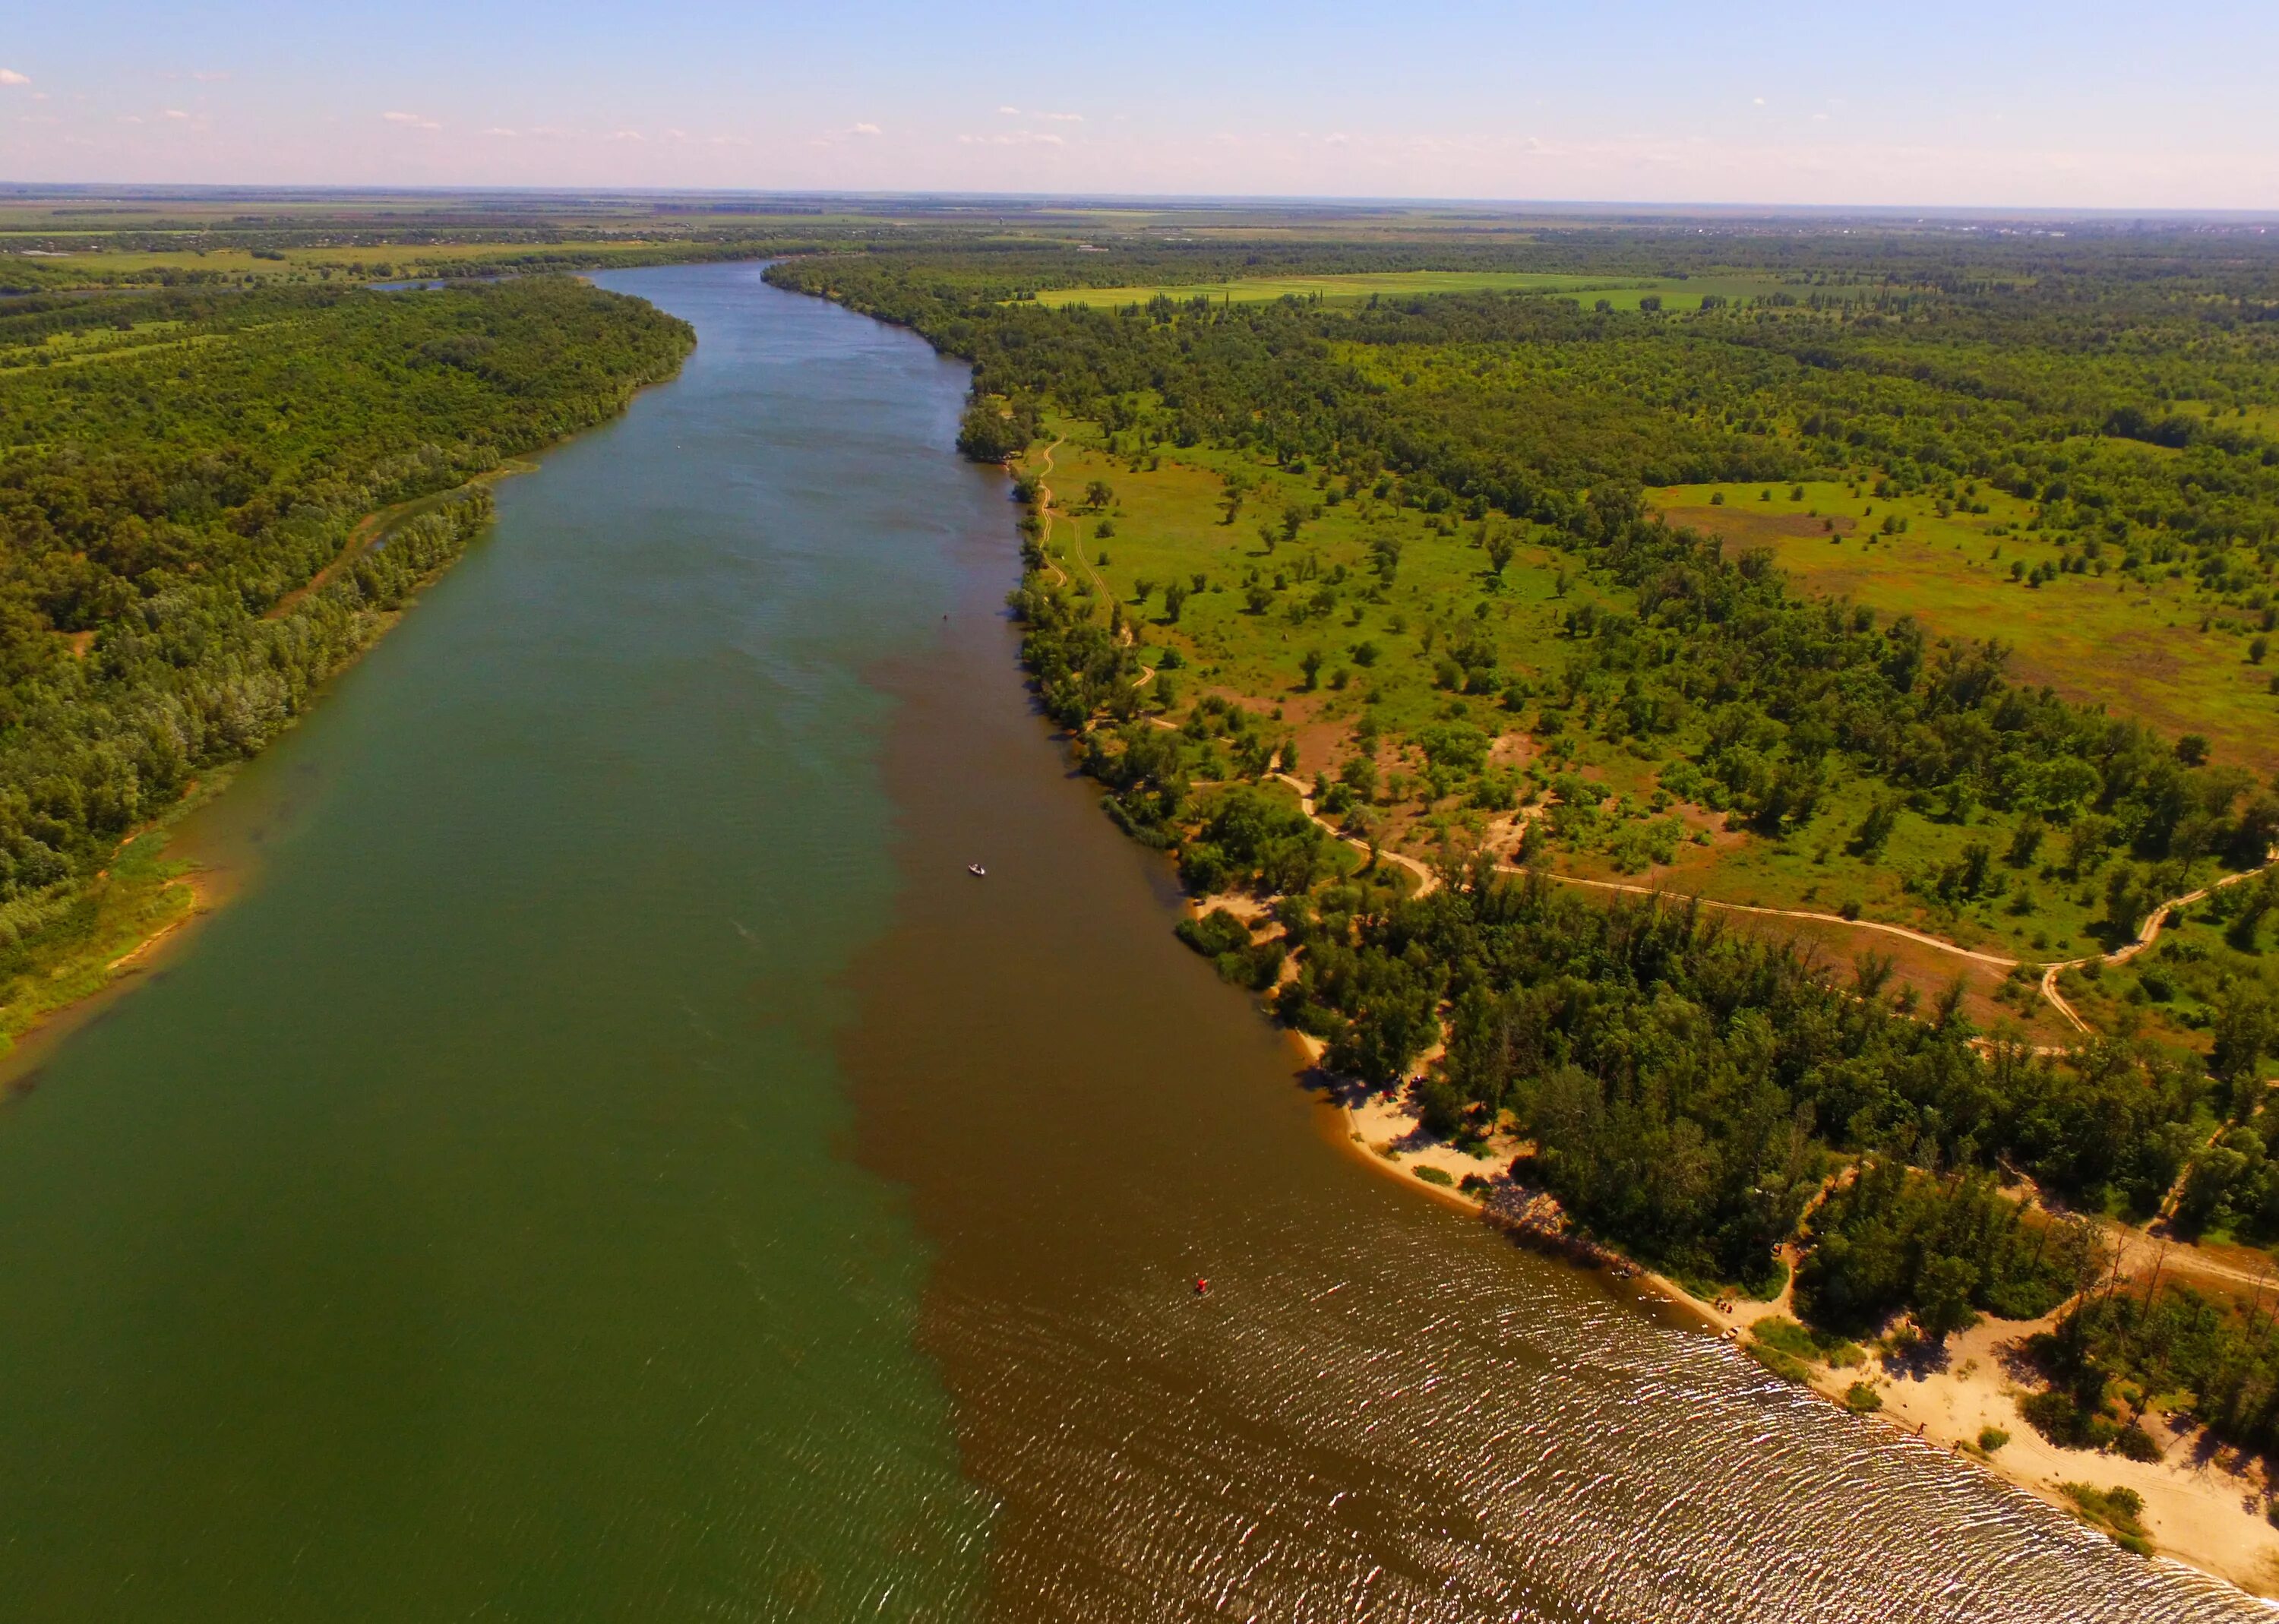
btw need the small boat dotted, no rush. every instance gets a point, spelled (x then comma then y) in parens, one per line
(977, 870)
(1202, 1286)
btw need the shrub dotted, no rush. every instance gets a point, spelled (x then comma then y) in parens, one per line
(1779, 1331)
(1218, 931)
(1991, 1438)
(1862, 1399)
(1782, 1364)
(1434, 1176)
(2064, 1420)
(2135, 1443)
(2117, 1511)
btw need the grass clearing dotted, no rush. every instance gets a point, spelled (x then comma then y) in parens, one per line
(2150, 646)
(1622, 293)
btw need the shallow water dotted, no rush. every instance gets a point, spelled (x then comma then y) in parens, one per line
(613, 1162)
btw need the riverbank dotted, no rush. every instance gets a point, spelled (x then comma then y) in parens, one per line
(139, 908)
(147, 900)
(2202, 1503)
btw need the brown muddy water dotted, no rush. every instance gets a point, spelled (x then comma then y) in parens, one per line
(1383, 1410)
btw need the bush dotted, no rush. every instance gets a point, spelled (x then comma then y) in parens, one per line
(1433, 1175)
(2135, 1443)
(1782, 1364)
(2118, 1512)
(1218, 931)
(1991, 1438)
(2065, 1421)
(1779, 1331)
(1862, 1399)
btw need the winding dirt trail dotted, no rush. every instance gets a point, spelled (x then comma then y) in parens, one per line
(1427, 880)
(2145, 938)
(1045, 517)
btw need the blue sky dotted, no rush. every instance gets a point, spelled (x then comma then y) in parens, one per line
(1994, 104)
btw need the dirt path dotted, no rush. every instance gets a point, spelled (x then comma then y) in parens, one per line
(1045, 517)
(1427, 881)
(1994, 959)
(2145, 938)
(359, 538)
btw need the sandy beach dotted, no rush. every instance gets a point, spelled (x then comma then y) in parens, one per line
(2203, 1504)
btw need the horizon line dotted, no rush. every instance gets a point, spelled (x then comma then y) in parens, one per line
(1924, 213)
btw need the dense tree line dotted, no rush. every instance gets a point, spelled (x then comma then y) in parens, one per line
(160, 501)
(1688, 1088)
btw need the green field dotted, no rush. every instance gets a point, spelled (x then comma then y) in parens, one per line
(298, 264)
(2150, 646)
(1622, 293)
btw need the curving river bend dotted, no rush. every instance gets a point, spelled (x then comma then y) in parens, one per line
(614, 1163)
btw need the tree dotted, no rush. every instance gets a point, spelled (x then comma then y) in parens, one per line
(1098, 494)
(1876, 828)
(1501, 548)
(1943, 1298)
(1311, 664)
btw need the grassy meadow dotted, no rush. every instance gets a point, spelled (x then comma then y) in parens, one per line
(2151, 645)
(1621, 292)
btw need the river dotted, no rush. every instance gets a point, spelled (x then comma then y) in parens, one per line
(611, 1161)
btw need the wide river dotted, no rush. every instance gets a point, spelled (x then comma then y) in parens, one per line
(612, 1162)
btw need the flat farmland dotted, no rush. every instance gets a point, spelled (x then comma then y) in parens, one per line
(1623, 292)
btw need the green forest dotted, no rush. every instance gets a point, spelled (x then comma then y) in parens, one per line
(2103, 412)
(176, 470)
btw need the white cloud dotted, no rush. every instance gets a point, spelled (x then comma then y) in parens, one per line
(9, 76)
(214, 78)
(1059, 118)
(176, 112)
(1018, 138)
(1010, 112)
(865, 129)
(500, 129)
(1760, 100)
(628, 136)
(418, 121)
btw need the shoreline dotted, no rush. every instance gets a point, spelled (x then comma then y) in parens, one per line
(186, 890)
(2199, 1500)
(24, 1049)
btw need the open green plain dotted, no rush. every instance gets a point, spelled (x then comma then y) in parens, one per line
(2152, 643)
(1620, 292)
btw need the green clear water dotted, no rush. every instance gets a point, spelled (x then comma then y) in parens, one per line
(458, 1230)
